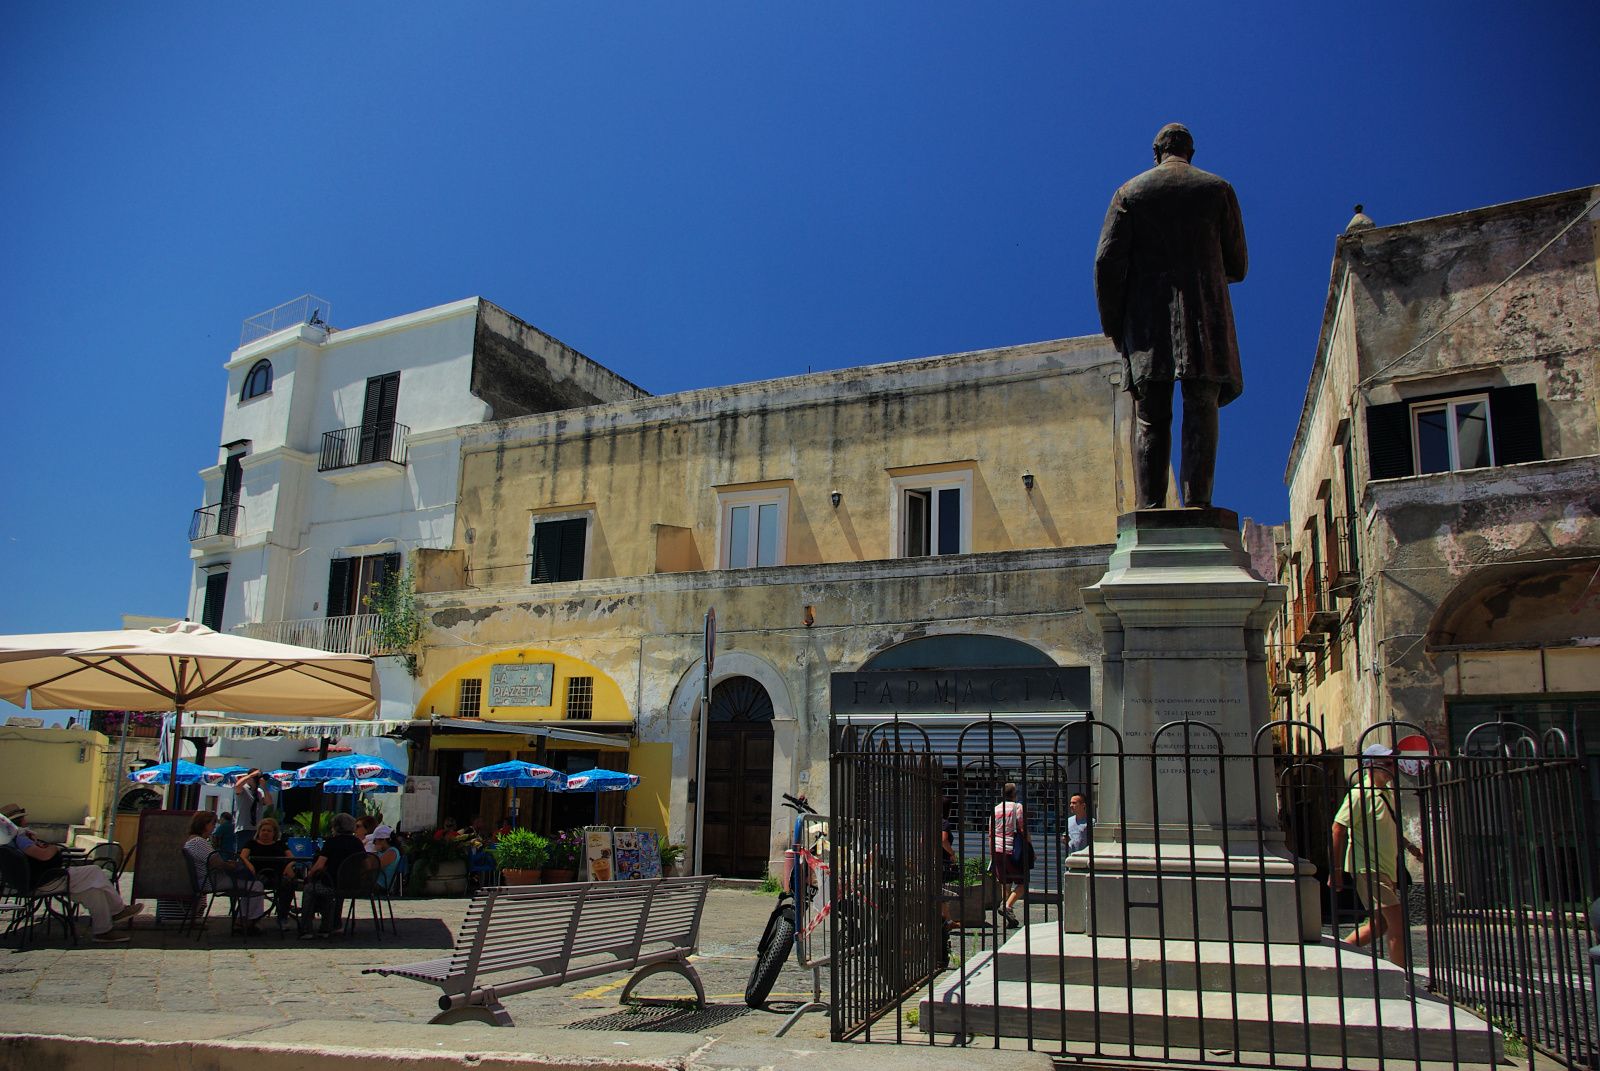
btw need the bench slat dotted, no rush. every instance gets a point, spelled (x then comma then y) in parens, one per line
(558, 933)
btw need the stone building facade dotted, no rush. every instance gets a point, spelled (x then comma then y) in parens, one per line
(935, 516)
(1443, 551)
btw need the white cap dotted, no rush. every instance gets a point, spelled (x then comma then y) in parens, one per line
(382, 833)
(1377, 751)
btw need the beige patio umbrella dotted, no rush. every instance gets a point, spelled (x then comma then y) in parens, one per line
(175, 667)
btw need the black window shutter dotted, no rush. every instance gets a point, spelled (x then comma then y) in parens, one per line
(216, 595)
(1389, 440)
(339, 587)
(1514, 412)
(572, 533)
(558, 551)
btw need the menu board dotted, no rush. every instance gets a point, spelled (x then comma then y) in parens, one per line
(621, 854)
(597, 853)
(636, 853)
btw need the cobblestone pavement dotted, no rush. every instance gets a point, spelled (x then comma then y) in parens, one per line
(161, 971)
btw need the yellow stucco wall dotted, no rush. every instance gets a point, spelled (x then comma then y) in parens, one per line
(442, 695)
(1051, 409)
(57, 774)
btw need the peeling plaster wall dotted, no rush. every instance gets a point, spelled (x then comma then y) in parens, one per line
(518, 369)
(645, 633)
(1052, 409)
(1428, 541)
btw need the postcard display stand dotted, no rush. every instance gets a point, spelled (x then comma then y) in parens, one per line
(621, 853)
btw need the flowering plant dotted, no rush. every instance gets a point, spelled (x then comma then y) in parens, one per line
(566, 850)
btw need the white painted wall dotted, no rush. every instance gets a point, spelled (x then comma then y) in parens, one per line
(295, 519)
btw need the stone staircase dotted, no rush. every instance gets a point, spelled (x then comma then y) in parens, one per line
(1141, 997)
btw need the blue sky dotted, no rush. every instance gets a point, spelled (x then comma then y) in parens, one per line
(692, 194)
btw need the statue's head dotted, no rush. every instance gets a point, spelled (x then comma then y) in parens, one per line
(1174, 139)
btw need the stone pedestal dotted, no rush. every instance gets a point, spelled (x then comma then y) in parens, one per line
(1187, 844)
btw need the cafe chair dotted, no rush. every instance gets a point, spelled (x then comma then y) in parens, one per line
(357, 880)
(26, 902)
(109, 857)
(220, 880)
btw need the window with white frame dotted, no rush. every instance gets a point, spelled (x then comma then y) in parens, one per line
(754, 528)
(560, 550)
(1452, 434)
(469, 697)
(932, 514)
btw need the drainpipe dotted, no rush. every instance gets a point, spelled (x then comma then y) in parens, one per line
(116, 778)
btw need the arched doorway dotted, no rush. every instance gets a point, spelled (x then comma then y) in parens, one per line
(737, 794)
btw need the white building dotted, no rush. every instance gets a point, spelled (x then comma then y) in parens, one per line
(338, 459)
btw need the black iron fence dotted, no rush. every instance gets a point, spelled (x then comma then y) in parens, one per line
(1239, 903)
(349, 447)
(211, 521)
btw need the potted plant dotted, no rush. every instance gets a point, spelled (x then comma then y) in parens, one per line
(438, 863)
(671, 857)
(566, 856)
(521, 854)
(979, 893)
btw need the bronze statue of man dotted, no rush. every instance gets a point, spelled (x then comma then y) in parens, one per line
(1172, 242)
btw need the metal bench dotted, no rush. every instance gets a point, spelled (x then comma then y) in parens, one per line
(519, 938)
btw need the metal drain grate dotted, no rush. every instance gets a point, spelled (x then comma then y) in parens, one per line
(663, 1019)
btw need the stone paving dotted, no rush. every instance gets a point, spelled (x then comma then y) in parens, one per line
(161, 971)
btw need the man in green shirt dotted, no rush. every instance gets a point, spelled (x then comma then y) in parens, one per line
(1366, 845)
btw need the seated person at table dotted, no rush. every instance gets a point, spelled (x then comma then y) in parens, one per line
(319, 896)
(364, 827)
(229, 878)
(88, 885)
(381, 845)
(269, 862)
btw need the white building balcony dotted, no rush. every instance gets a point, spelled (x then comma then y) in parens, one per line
(213, 527)
(348, 634)
(362, 452)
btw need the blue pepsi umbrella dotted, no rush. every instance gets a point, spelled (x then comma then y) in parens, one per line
(598, 781)
(363, 767)
(225, 775)
(516, 774)
(343, 786)
(189, 773)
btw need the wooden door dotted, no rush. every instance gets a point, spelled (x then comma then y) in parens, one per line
(736, 799)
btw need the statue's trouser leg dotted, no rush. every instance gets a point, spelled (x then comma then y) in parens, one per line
(1199, 464)
(1152, 443)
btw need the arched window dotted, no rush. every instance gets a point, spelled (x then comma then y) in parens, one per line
(258, 382)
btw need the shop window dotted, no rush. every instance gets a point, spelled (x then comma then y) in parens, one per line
(933, 514)
(469, 697)
(560, 546)
(754, 528)
(1452, 433)
(580, 698)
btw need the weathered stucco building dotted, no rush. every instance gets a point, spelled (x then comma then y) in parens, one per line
(1442, 550)
(934, 516)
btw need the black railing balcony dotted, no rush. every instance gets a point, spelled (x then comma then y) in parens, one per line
(1344, 571)
(349, 447)
(210, 521)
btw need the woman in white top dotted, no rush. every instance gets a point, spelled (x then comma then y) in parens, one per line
(1008, 824)
(237, 879)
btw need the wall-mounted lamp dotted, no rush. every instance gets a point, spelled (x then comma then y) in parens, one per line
(1027, 482)
(810, 616)
(835, 497)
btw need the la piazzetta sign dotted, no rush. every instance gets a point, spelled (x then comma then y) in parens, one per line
(1014, 690)
(518, 684)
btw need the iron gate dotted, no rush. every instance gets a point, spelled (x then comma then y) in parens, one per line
(1489, 962)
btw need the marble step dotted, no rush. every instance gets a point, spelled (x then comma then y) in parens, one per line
(1042, 953)
(1387, 1028)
